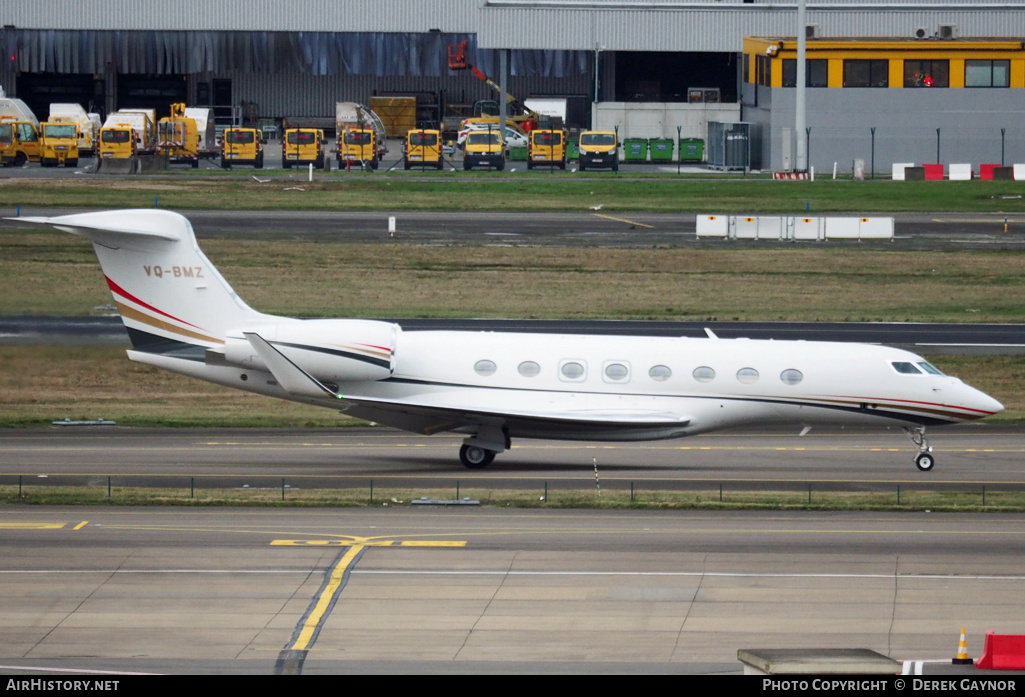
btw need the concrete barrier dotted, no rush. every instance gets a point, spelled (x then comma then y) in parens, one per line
(898, 170)
(751, 227)
(1003, 652)
(713, 226)
(806, 229)
(875, 228)
(933, 172)
(960, 172)
(1019, 173)
(986, 171)
(843, 229)
(745, 228)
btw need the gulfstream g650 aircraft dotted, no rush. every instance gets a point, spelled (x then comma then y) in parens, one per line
(183, 316)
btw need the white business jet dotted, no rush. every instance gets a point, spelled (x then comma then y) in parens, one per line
(183, 316)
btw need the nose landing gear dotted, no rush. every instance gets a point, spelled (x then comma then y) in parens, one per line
(924, 459)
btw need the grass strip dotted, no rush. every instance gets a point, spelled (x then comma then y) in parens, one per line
(457, 191)
(973, 499)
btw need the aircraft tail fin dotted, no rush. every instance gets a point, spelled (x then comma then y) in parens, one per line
(167, 291)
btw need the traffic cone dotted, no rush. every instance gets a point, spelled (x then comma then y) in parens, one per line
(962, 652)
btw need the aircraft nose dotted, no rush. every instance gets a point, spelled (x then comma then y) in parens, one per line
(982, 404)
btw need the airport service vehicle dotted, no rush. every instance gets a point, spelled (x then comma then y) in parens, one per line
(19, 132)
(187, 135)
(19, 142)
(423, 148)
(361, 135)
(143, 128)
(513, 136)
(241, 146)
(124, 137)
(483, 148)
(358, 145)
(88, 125)
(178, 137)
(547, 148)
(117, 143)
(303, 146)
(59, 144)
(599, 149)
(493, 387)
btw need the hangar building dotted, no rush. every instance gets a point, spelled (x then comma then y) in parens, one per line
(649, 67)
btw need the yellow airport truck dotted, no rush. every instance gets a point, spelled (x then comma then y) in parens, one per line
(361, 134)
(423, 148)
(178, 137)
(303, 146)
(599, 149)
(358, 146)
(88, 125)
(117, 142)
(242, 146)
(19, 142)
(546, 148)
(59, 144)
(484, 149)
(19, 132)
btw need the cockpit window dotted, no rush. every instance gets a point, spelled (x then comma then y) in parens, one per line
(906, 368)
(930, 368)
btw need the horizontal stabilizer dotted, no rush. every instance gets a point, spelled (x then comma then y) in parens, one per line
(290, 376)
(143, 222)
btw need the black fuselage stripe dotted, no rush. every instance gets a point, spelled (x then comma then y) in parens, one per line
(380, 362)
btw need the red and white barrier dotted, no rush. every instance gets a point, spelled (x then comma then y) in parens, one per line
(1003, 652)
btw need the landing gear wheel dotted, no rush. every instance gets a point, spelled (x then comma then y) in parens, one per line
(474, 457)
(924, 461)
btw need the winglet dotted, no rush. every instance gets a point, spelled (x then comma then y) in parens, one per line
(710, 333)
(291, 377)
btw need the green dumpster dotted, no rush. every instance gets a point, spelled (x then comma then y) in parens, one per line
(692, 150)
(635, 149)
(573, 151)
(518, 152)
(661, 149)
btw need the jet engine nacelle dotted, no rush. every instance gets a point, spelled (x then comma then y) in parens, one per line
(338, 351)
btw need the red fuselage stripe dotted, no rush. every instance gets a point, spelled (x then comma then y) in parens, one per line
(128, 296)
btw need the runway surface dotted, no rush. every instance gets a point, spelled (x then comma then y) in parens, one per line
(402, 590)
(585, 228)
(971, 454)
(486, 590)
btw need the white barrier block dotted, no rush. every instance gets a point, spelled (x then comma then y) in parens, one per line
(898, 170)
(713, 225)
(808, 229)
(843, 228)
(746, 227)
(876, 228)
(1019, 173)
(960, 173)
(771, 228)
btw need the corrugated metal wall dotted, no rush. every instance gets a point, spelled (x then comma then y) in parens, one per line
(626, 25)
(246, 15)
(723, 28)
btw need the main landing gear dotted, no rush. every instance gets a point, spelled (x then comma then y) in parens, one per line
(924, 459)
(475, 457)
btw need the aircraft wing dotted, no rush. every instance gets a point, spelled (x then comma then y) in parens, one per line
(421, 416)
